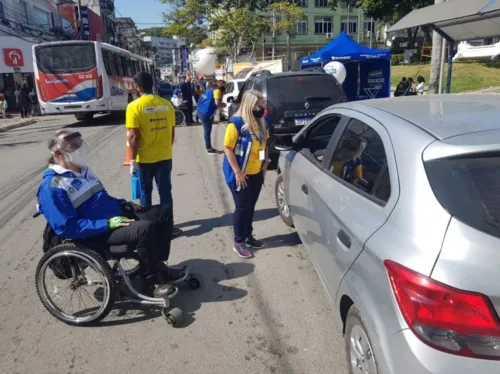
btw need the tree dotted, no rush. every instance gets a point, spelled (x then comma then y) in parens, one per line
(187, 19)
(285, 17)
(237, 28)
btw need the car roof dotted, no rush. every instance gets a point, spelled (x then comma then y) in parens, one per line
(289, 74)
(444, 116)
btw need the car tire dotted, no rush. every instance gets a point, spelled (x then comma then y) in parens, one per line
(358, 347)
(282, 202)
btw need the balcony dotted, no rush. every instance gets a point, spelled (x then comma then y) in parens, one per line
(107, 6)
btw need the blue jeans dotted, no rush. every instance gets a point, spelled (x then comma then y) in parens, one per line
(161, 172)
(207, 122)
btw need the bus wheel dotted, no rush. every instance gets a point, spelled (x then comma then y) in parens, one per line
(84, 116)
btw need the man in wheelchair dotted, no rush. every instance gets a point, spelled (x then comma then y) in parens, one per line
(76, 206)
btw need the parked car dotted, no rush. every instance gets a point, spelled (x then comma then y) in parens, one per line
(165, 90)
(292, 99)
(397, 202)
(233, 88)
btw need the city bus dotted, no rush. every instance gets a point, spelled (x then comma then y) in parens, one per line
(84, 77)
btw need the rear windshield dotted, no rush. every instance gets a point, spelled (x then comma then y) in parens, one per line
(66, 58)
(469, 189)
(295, 89)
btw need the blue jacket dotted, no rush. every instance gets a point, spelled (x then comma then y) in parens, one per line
(206, 104)
(242, 151)
(75, 205)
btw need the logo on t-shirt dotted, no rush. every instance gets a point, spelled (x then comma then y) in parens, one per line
(77, 184)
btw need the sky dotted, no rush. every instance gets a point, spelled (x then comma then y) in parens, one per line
(145, 13)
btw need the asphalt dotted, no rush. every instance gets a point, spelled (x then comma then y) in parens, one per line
(269, 314)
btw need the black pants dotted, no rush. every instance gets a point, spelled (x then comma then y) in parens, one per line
(150, 235)
(23, 111)
(189, 114)
(245, 201)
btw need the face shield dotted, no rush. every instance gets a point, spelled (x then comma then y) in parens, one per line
(76, 150)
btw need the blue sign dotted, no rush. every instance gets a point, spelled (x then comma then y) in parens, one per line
(85, 22)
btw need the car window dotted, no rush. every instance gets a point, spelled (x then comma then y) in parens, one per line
(248, 86)
(229, 88)
(317, 138)
(259, 85)
(360, 160)
(240, 85)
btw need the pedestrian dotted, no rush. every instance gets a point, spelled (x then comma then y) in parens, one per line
(35, 105)
(21, 101)
(187, 95)
(3, 105)
(245, 165)
(421, 85)
(208, 104)
(411, 89)
(150, 121)
(401, 87)
(197, 93)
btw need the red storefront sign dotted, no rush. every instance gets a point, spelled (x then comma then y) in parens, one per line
(13, 57)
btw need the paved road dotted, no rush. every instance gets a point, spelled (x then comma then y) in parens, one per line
(266, 315)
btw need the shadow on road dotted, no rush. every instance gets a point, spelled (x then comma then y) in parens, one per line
(206, 225)
(210, 273)
(105, 120)
(13, 145)
(284, 240)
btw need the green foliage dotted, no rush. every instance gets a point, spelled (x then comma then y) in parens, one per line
(384, 10)
(187, 19)
(287, 16)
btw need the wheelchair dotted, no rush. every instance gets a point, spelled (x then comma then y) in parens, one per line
(97, 276)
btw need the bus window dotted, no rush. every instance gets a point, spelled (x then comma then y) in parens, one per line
(107, 62)
(124, 61)
(119, 64)
(130, 67)
(112, 63)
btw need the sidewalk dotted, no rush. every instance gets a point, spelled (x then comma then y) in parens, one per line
(17, 121)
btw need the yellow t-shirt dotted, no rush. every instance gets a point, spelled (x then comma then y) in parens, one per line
(254, 165)
(155, 119)
(217, 94)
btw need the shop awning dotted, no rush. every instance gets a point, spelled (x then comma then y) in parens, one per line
(456, 20)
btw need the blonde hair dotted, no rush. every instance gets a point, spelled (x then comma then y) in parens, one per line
(245, 111)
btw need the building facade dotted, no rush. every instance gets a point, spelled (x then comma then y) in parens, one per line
(170, 53)
(127, 37)
(320, 26)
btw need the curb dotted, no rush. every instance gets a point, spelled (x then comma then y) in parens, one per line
(17, 125)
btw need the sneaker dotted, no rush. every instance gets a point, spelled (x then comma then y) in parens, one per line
(212, 151)
(164, 290)
(176, 232)
(251, 242)
(242, 250)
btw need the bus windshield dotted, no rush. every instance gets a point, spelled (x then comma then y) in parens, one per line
(66, 58)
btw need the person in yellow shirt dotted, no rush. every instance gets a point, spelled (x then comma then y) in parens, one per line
(245, 165)
(150, 121)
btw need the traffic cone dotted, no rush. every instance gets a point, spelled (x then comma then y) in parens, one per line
(128, 151)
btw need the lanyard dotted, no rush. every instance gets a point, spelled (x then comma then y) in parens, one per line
(260, 137)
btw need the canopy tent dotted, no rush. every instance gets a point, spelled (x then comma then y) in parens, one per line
(456, 20)
(368, 69)
(343, 48)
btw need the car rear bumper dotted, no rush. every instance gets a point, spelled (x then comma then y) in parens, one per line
(408, 354)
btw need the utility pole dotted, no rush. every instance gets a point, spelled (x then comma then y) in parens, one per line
(437, 46)
(372, 29)
(80, 20)
(274, 34)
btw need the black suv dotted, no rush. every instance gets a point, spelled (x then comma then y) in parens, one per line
(292, 99)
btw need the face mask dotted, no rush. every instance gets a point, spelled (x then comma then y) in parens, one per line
(78, 157)
(258, 112)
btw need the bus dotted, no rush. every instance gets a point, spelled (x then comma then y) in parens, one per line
(84, 77)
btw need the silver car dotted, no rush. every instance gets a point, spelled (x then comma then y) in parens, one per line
(398, 203)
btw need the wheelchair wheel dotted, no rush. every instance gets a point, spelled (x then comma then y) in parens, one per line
(87, 292)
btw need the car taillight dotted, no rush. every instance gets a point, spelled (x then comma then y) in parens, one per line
(99, 88)
(266, 112)
(452, 320)
(41, 94)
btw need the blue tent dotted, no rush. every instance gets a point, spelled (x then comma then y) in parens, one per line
(343, 48)
(368, 69)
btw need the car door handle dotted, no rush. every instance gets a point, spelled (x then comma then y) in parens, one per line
(344, 238)
(305, 189)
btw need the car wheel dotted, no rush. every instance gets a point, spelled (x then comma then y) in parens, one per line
(359, 352)
(282, 202)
